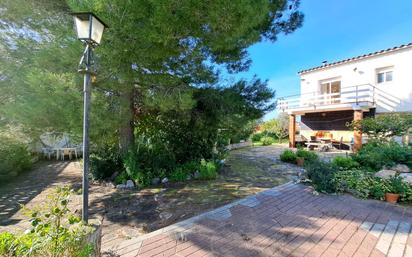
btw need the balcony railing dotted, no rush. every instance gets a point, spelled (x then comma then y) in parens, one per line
(365, 95)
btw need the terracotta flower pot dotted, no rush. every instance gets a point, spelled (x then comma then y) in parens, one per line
(391, 198)
(300, 161)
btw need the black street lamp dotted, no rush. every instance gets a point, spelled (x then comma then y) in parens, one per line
(89, 30)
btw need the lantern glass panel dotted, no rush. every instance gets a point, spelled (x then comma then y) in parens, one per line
(97, 30)
(82, 27)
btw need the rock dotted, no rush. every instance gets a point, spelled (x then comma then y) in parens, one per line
(129, 184)
(385, 174)
(196, 175)
(165, 215)
(407, 177)
(121, 186)
(114, 175)
(165, 180)
(110, 184)
(401, 168)
(155, 181)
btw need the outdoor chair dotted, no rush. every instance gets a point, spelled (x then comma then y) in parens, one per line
(47, 152)
(65, 152)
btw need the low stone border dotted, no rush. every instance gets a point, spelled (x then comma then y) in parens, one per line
(95, 238)
(239, 145)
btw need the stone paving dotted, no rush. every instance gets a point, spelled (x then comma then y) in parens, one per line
(288, 220)
(31, 188)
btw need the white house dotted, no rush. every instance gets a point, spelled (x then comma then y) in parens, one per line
(333, 94)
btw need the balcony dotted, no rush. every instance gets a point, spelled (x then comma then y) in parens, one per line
(364, 96)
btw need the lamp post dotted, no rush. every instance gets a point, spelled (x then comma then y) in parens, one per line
(89, 30)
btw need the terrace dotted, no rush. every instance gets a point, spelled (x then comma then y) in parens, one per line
(365, 96)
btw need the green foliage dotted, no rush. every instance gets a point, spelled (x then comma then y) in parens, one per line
(207, 170)
(256, 137)
(267, 140)
(375, 155)
(121, 178)
(105, 162)
(322, 175)
(307, 155)
(288, 156)
(14, 158)
(179, 174)
(55, 231)
(183, 171)
(396, 185)
(357, 182)
(278, 127)
(344, 163)
(383, 127)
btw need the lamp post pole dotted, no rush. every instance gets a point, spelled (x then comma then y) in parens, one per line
(89, 30)
(86, 111)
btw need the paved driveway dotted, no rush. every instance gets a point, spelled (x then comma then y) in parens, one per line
(288, 220)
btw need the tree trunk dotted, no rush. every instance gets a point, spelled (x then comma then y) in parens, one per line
(126, 130)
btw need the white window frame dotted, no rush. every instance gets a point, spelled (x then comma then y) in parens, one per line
(385, 72)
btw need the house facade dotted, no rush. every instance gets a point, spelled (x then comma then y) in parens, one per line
(334, 94)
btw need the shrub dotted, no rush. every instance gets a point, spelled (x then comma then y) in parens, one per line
(383, 127)
(322, 176)
(256, 137)
(376, 155)
(207, 170)
(121, 178)
(104, 163)
(356, 182)
(288, 156)
(14, 158)
(55, 231)
(344, 163)
(396, 185)
(267, 140)
(306, 155)
(179, 174)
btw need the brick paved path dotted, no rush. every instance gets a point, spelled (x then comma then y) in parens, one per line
(285, 221)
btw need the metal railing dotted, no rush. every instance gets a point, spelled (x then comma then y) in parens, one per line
(362, 95)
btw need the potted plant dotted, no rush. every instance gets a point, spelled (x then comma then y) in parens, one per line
(394, 187)
(300, 161)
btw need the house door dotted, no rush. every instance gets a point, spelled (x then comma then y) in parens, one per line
(330, 92)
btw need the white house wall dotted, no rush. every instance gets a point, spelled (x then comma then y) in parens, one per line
(365, 72)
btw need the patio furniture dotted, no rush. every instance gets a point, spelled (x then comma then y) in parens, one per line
(47, 152)
(310, 145)
(326, 144)
(66, 151)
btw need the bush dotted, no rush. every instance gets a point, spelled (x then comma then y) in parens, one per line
(104, 163)
(357, 182)
(322, 176)
(396, 185)
(207, 170)
(267, 140)
(179, 174)
(375, 155)
(256, 137)
(288, 156)
(55, 231)
(344, 163)
(14, 158)
(306, 155)
(134, 171)
(121, 178)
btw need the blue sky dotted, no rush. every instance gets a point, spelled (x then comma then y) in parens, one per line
(332, 30)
